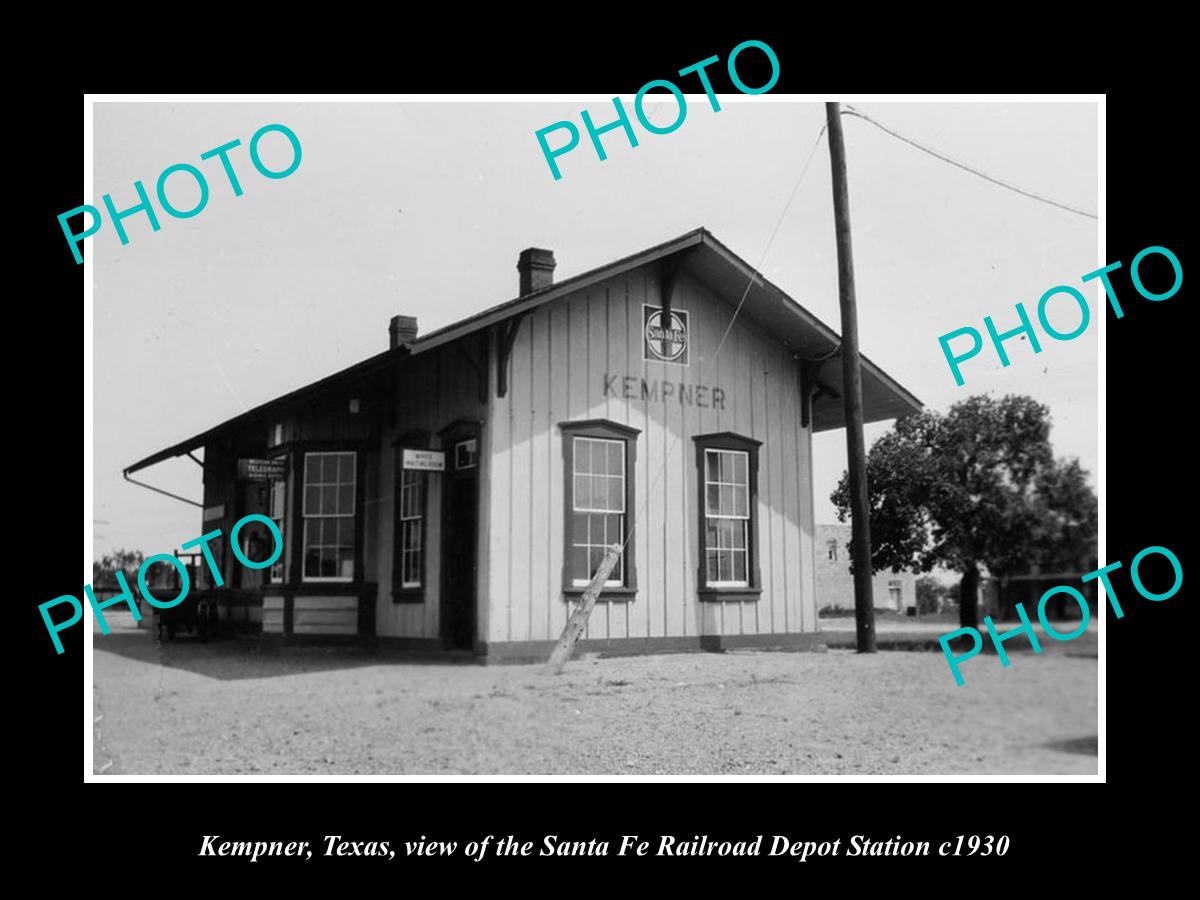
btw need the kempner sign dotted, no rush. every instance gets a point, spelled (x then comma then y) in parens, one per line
(664, 341)
(633, 387)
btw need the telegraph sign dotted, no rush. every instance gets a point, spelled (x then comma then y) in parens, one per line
(262, 469)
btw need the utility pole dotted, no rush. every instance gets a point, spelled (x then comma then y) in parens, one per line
(856, 452)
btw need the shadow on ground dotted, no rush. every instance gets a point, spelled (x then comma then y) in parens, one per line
(925, 636)
(1084, 746)
(235, 658)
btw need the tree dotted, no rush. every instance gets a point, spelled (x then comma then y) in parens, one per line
(128, 561)
(951, 594)
(929, 594)
(977, 486)
(1068, 519)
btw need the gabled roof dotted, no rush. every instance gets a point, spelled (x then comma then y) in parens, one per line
(699, 255)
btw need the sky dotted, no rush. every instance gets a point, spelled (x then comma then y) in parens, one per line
(420, 208)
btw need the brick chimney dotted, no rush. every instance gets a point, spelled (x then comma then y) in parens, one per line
(536, 268)
(402, 331)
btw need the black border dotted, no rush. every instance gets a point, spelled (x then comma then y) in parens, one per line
(1054, 827)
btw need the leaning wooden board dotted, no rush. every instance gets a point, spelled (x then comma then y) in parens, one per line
(578, 620)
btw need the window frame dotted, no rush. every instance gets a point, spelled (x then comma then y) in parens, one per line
(742, 520)
(402, 593)
(606, 430)
(474, 461)
(277, 573)
(303, 516)
(708, 591)
(623, 513)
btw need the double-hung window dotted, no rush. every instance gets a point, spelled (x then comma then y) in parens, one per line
(410, 530)
(328, 512)
(728, 492)
(598, 490)
(727, 517)
(598, 515)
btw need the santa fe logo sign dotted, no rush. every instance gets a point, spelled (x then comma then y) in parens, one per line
(664, 341)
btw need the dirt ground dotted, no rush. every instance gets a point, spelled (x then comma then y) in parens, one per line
(187, 708)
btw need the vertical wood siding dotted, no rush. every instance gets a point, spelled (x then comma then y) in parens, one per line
(432, 390)
(560, 358)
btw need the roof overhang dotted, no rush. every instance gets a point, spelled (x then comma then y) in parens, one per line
(702, 257)
(365, 369)
(804, 334)
(713, 264)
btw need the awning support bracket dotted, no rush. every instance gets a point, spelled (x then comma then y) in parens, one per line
(479, 364)
(151, 487)
(506, 337)
(811, 388)
(669, 271)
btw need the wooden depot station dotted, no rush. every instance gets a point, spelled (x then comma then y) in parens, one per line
(456, 491)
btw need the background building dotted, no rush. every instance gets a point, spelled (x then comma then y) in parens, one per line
(835, 585)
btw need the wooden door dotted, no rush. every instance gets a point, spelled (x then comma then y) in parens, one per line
(460, 527)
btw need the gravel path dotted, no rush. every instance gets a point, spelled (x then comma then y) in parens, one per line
(227, 708)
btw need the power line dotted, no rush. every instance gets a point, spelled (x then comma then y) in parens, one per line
(851, 111)
(771, 239)
(750, 283)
